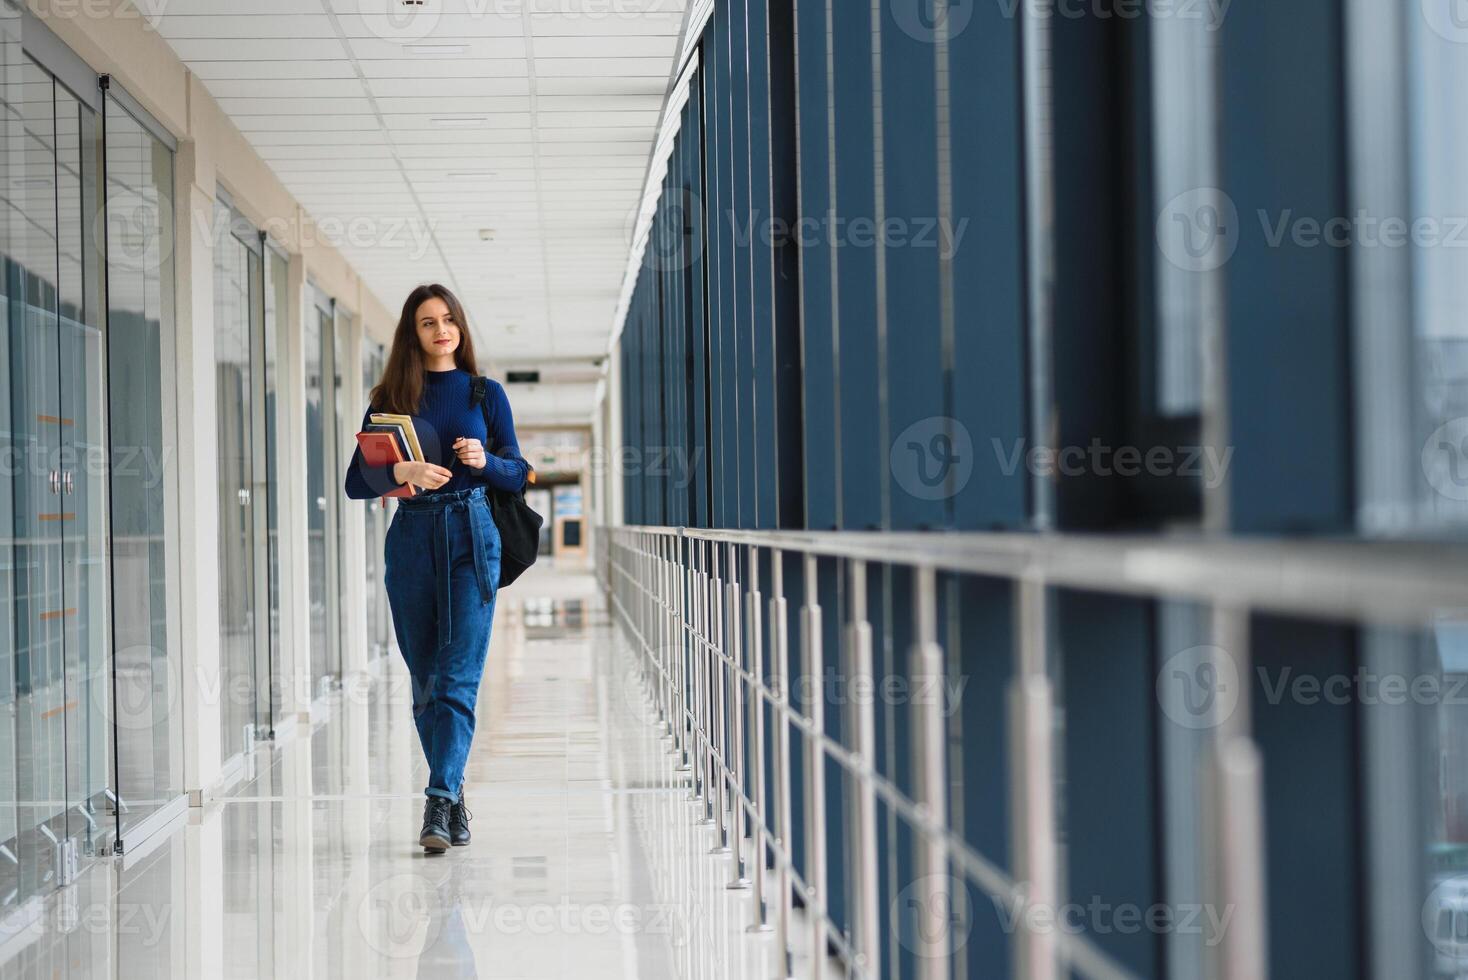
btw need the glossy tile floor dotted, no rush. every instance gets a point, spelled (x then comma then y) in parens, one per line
(586, 860)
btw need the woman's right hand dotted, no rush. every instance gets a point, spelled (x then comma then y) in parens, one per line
(429, 476)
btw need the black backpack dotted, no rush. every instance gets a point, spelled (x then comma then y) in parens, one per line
(518, 524)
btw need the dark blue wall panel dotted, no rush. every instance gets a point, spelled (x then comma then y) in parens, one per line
(854, 232)
(911, 346)
(817, 257)
(764, 483)
(1288, 329)
(988, 363)
(1111, 797)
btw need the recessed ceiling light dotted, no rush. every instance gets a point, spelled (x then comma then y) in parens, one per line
(458, 120)
(486, 234)
(435, 48)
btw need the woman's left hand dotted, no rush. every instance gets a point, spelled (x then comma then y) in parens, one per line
(470, 452)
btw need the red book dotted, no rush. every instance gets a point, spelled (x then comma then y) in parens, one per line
(381, 449)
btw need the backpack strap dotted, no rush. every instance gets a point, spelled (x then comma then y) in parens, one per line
(479, 395)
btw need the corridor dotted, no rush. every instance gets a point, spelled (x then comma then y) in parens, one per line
(311, 867)
(993, 476)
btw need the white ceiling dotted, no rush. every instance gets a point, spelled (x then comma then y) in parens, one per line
(404, 148)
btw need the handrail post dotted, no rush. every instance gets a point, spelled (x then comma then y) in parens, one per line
(753, 613)
(815, 770)
(705, 697)
(863, 830)
(1033, 795)
(719, 688)
(680, 651)
(780, 691)
(737, 818)
(929, 745)
(1239, 884)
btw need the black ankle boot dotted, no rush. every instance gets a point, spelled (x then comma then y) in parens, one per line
(459, 817)
(435, 834)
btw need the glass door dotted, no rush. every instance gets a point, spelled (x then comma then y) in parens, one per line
(321, 467)
(83, 435)
(237, 281)
(53, 581)
(35, 487)
(341, 326)
(146, 709)
(277, 300)
(14, 436)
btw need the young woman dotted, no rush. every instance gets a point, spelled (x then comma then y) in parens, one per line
(443, 549)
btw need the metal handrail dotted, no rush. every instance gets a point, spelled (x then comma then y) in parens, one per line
(690, 602)
(1390, 582)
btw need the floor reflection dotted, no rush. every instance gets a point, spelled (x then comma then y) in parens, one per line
(310, 868)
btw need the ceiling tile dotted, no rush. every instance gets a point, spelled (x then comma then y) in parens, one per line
(409, 139)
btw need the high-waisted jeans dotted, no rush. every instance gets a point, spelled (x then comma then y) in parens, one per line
(442, 570)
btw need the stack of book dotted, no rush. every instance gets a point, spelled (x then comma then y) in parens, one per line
(388, 440)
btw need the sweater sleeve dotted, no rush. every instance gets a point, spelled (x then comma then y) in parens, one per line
(504, 468)
(368, 482)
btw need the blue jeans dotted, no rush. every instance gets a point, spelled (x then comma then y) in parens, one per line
(442, 570)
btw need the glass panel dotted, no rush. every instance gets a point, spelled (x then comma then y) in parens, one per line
(376, 525)
(337, 467)
(83, 441)
(259, 702)
(236, 508)
(319, 448)
(1199, 219)
(13, 446)
(1439, 140)
(143, 478)
(1426, 675)
(35, 424)
(276, 320)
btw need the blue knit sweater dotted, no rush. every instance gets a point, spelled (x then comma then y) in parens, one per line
(444, 414)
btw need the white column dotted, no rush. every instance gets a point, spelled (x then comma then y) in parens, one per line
(594, 469)
(353, 512)
(296, 934)
(197, 467)
(294, 663)
(614, 435)
(204, 892)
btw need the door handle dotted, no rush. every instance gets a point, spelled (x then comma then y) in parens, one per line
(55, 481)
(70, 482)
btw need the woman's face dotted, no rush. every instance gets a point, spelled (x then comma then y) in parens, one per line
(438, 333)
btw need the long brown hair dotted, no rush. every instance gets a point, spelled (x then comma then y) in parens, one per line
(402, 380)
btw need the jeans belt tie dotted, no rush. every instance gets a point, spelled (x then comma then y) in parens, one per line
(444, 568)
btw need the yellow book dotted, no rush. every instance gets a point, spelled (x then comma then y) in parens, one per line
(411, 434)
